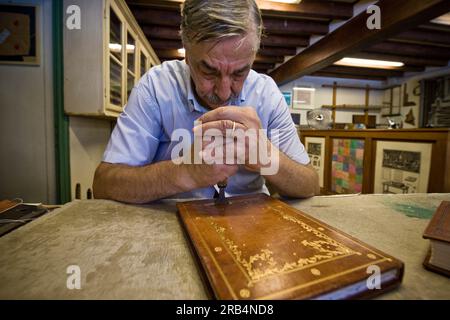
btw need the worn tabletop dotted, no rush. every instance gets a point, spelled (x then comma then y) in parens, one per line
(141, 252)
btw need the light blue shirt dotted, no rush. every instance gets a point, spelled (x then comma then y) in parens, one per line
(164, 101)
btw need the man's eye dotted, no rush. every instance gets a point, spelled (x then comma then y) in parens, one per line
(208, 73)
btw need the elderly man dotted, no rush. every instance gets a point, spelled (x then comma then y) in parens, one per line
(214, 88)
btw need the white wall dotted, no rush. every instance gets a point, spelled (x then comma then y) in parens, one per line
(324, 96)
(27, 162)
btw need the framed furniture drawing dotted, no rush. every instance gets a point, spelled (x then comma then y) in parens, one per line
(315, 147)
(347, 165)
(288, 97)
(402, 167)
(303, 98)
(19, 34)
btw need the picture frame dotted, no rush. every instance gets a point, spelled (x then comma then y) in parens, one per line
(19, 34)
(402, 167)
(315, 147)
(303, 98)
(288, 97)
(347, 165)
(296, 118)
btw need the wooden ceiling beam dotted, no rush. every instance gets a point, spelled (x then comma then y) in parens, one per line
(277, 51)
(160, 32)
(311, 9)
(269, 59)
(418, 61)
(265, 66)
(169, 54)
(294, 27)
(435, 27)
(169, 33)
(412, 50)
(420, 36)
(164, 43)
(285, 41)
(155, 16)
(363, 71)
(347, 76)
(173, 5)
(353, 36)
(409, 68)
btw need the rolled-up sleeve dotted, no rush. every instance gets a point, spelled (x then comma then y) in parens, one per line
(135, 138)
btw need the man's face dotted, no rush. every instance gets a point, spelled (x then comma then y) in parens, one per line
(219, 69)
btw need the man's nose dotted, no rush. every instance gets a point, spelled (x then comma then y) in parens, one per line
(223, 88)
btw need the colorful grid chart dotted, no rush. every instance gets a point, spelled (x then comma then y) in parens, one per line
(347, 165)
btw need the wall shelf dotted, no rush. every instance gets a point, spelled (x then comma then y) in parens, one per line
(391, 115)
(353, 107)
(365, 107)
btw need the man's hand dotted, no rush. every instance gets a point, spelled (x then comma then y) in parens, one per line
(206, 175)
(240, 128)
(256, 152)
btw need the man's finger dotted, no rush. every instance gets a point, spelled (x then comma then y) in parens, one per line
(224, 126)
(238, 114)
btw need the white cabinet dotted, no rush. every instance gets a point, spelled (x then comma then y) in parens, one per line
(104, 59)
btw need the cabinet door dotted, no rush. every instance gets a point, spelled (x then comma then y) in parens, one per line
(116, 60)
(132, 70)
(143, 62)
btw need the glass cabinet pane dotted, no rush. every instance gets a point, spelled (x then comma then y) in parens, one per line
(130, 83)
(131, 64)
(131, 53)
(115, 74)
(115, 35)
(143, 64)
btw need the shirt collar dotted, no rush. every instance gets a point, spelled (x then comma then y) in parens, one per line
(193, 104)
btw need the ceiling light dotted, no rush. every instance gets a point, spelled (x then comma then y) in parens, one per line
(368, 63)
(287, 1)
(304, 89)
(444, 19)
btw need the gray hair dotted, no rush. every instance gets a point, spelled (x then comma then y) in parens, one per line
(204, 20)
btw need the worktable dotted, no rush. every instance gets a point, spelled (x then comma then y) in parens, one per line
(140, 251)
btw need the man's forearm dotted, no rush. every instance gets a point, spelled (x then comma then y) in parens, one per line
(294, 179)
(139, 184)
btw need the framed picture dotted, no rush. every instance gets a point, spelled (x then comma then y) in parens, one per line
(19, 34)
(296, 118)
(402, 167)
(288, 97)
(316, 150)
(347, 165)
(303, 98)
